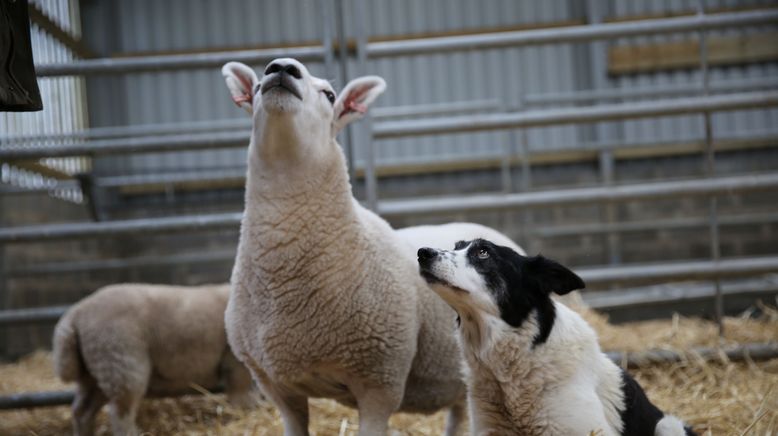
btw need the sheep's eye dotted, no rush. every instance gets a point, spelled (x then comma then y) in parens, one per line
(330, 96)
(256, 88)
(483, 254)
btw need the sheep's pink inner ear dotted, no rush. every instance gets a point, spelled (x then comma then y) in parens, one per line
(246, 96)
(352, 101)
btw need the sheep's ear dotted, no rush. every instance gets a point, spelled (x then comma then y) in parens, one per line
(242, 82)
(353, 101)
(552, 276)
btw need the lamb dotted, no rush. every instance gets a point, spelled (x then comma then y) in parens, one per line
(129, 340)
(535, 367)
(326, 299)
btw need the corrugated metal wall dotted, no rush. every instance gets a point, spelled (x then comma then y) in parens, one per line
(503, 75)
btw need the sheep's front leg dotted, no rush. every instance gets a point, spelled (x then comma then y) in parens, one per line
(375, 408)
(293, 408)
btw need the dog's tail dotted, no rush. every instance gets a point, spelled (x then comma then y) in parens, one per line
(67, 353)
(669, 425)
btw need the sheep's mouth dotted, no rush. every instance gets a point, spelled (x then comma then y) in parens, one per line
(283, 82)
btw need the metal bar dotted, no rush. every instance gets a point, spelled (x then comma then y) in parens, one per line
(644, 191)
(607, 163)
(681, 270)
(593, 95)
(365, 129)
(326, 9)
(235, 173)
(752, 351)
(675, 293)
(654, 225)
(26, 400)
(758, 351)
(133, 130)
(710, 170)
(633, 192)
(39, 269)
(571, 34)
(177, 61)
(171, 178)
(605, 300)
(581, 114)
(113, 228)
(348, 133)
(223, 256)
(449, 108)
(417, 46)
(392, 129)
(130, 145)
(35, 315)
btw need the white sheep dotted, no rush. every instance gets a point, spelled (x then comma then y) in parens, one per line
(130, 340)
(327, 300)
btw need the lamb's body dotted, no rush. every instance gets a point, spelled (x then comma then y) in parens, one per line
(130, 340)
(326, 300)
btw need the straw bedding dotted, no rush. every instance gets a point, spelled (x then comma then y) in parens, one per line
(718, 398)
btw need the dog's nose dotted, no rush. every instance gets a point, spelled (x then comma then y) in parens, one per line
(282, 67)
(426, 254)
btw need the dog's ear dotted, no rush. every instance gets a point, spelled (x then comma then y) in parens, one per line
(552, 276)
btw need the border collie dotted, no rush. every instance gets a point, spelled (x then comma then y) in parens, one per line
(534, 366)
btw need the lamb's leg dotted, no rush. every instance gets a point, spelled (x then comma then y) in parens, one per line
(455, 418)
(126, 393)
(375, 408)
(293, 408)
(124, 412)
(88, 401)
(238, 382)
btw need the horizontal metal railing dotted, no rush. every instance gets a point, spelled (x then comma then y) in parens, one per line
(583, 33)
(160, 261)
(565, 197)
(137, 64)
(764, 288)
(419, 46)
(653, 225)
(593, 276)
(429, 126)
(114, 228)
(657, 91)
(243, 123)
(737, 353)
(575, 115)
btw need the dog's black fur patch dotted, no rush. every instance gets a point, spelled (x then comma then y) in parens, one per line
(639, 415)
(522, 284)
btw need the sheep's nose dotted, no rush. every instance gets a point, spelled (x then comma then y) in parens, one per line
(426, 254)
(278, 67)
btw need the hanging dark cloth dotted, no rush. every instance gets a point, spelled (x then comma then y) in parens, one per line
(18, 87)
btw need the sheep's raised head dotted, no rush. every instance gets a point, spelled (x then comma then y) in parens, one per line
(287, 89)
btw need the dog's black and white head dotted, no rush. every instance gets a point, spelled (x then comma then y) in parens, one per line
(484, 279)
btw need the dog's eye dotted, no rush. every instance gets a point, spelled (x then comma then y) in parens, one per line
(330, 96)
(483, 254)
